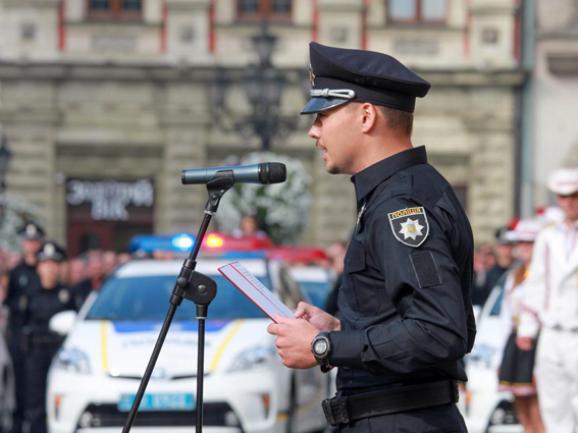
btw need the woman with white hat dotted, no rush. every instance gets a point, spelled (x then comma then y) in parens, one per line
(516, 373)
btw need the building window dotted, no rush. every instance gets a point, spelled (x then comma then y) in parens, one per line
(250, 10)
(417, 11)
(115, 9)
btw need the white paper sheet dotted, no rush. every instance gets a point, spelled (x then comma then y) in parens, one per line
(253, 289)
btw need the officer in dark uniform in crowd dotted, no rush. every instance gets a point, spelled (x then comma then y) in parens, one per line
(21, 279)
(49, 297)
(405, 319)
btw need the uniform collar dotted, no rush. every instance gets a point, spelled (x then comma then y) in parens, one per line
(367, 179)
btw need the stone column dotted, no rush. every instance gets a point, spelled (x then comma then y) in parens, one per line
(184, 117)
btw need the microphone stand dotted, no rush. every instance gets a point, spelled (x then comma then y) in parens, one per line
(197, 288)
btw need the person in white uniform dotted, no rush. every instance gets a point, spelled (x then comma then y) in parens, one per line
(551, 306)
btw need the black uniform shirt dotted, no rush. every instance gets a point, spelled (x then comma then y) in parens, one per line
(404, 305)
(44, 304)
(21, 280)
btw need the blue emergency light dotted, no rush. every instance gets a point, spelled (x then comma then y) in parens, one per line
(178, 243)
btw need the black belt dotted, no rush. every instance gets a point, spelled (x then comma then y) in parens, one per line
(342, 410)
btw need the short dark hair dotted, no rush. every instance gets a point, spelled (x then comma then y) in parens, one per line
(400, 121)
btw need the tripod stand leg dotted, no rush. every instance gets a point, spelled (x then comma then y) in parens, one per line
(150, 367)
(200, 374)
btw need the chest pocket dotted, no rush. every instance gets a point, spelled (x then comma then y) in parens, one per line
(355, 258)
(359, 293)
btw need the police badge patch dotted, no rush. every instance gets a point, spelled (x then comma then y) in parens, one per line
(409, 226)
(64, 296)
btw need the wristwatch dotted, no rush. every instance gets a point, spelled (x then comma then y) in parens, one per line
(321, 348)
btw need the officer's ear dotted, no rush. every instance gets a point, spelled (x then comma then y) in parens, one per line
(369, 116)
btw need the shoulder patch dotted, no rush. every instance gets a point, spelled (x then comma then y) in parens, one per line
(409, 226)
(64, 296)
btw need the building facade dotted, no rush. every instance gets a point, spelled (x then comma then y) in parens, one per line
(554, 128)
(105, 101)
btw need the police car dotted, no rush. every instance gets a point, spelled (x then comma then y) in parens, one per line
(94, 378)
(315, 281)
(307, 267)
(485, 409)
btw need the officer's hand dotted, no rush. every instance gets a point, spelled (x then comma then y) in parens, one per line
(317, 317)
(524, 343)
(293, 342)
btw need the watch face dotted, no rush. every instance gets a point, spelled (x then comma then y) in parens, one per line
(320, 346)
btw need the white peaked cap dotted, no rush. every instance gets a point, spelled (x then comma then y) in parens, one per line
(564, 181)
(526, 230)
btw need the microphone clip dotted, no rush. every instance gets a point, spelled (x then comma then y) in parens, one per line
(219, 184)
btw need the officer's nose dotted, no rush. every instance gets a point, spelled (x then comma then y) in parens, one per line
(314, 131)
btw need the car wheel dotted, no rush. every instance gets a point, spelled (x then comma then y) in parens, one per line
(292, 409)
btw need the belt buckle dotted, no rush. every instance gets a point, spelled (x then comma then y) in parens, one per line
(335, 410)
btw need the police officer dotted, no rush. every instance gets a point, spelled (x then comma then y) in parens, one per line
(21, 279)
(49, 298)
(551, 302)
(405, 318)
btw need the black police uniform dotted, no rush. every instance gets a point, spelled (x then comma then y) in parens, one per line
(42, 345)
(404, 305)
(21, 279)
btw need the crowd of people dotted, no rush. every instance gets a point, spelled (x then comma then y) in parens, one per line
(535, 264)
(35, 284)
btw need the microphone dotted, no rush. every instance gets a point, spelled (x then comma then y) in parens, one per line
(266, 172)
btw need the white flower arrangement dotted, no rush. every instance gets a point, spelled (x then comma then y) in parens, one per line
(281, 209)
(14, 213)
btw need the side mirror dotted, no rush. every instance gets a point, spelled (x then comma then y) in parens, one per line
(62, 322)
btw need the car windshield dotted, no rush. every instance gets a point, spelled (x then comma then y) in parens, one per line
(147, 299)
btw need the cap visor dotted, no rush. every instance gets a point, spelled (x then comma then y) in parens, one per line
(315, 105)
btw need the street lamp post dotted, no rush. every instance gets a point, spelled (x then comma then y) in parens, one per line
(5, 156)
(263, 85)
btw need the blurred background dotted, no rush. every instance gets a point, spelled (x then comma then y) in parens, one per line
(103, 102)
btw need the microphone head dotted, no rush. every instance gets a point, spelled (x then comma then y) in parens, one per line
(273, 172)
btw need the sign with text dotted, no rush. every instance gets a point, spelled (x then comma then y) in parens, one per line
(110, 200)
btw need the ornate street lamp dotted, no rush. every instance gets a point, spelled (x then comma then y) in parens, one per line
(5, 155)
(263, 85)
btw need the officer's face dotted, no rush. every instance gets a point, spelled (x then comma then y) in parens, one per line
(31, 246)
(569, 205)
(336, 136)
(48, 271)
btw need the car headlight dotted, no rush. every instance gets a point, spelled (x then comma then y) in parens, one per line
(72, 359)
(251, 357)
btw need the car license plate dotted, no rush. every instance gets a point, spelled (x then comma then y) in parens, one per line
(154, 402)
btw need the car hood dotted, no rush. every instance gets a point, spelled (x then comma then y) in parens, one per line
(122, 349)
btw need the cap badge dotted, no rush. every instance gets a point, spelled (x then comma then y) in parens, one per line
(49, 250)
(409, 226)
(30, 230)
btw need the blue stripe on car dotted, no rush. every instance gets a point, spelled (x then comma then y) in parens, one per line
(128, 327)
